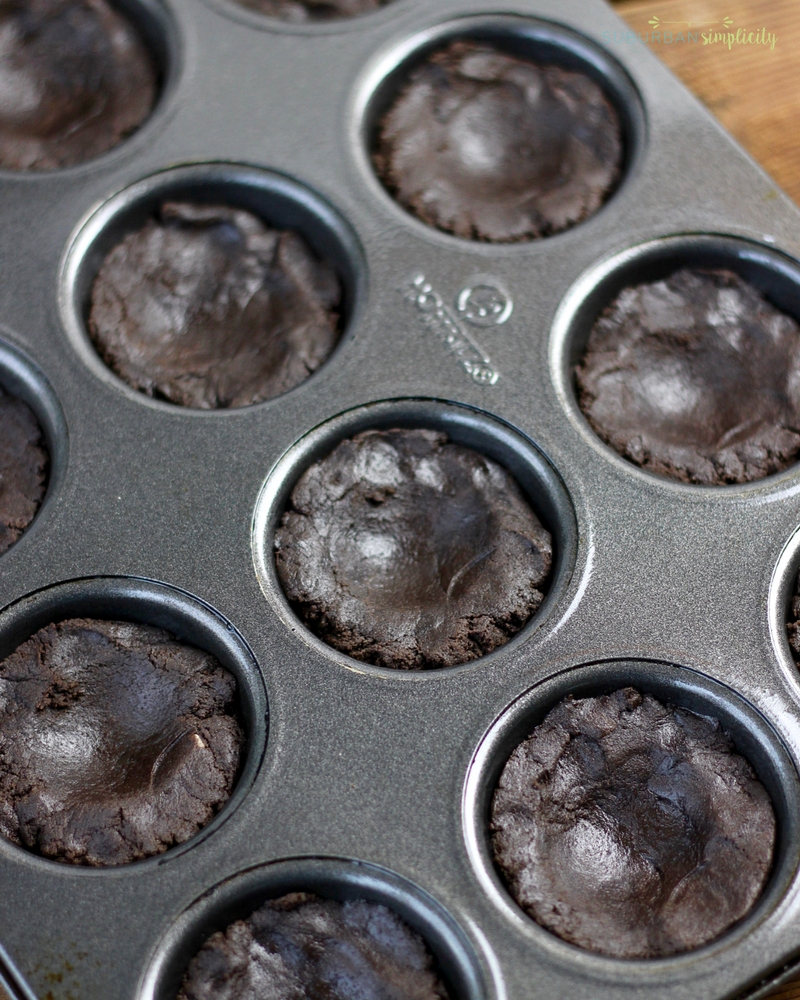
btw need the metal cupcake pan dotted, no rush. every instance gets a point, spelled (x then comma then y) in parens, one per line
(370, 781)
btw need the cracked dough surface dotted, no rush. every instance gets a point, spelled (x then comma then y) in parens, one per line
(116, 742)
(632, 828)
(301, 947)
(406, 550)
(75, 77)
(206, 306)
(23, 468)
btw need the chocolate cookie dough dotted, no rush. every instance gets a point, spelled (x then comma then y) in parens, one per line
(300, 11)
(632, 828)
(793, 623)
(696, 377)
(405, 550)
(302, 946)
(75, 80)
(116, 742)
(207, 307)
(23, 468)
(491, 147)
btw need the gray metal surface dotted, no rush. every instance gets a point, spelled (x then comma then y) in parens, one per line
(372, 781)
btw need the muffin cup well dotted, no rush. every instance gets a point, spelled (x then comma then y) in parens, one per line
(277, 200)
(774, 274)
(538, 481)
(20, 377)
(156, 26)
(782, 589)
(753, 738)
(541, 41)
(147, 603)
(330, 878)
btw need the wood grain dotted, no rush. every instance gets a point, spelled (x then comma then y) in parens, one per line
(754, 90)
(789, 991)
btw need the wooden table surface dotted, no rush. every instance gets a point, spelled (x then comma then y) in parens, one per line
(753, 89)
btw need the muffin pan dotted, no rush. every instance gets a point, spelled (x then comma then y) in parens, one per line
(363, 781)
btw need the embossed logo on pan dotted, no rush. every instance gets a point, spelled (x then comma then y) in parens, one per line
(483, 303)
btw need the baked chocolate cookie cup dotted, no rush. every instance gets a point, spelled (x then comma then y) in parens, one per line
(734, 723)
(99, 70)
(537, 485)
(460, 89)
(455, 961)
(35, 444)
(663, 425)
(280, 225)
(64, 811)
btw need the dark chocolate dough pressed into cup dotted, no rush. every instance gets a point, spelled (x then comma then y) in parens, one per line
(301, 946)
(75, 80)
(23, 468)
(205, 306)
(793, 623)
(300, 11)
(632, 828)
(491, 147)
(116, 742)
(696, 377)
(405, 550)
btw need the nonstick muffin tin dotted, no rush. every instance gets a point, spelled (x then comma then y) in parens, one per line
(360, 781)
